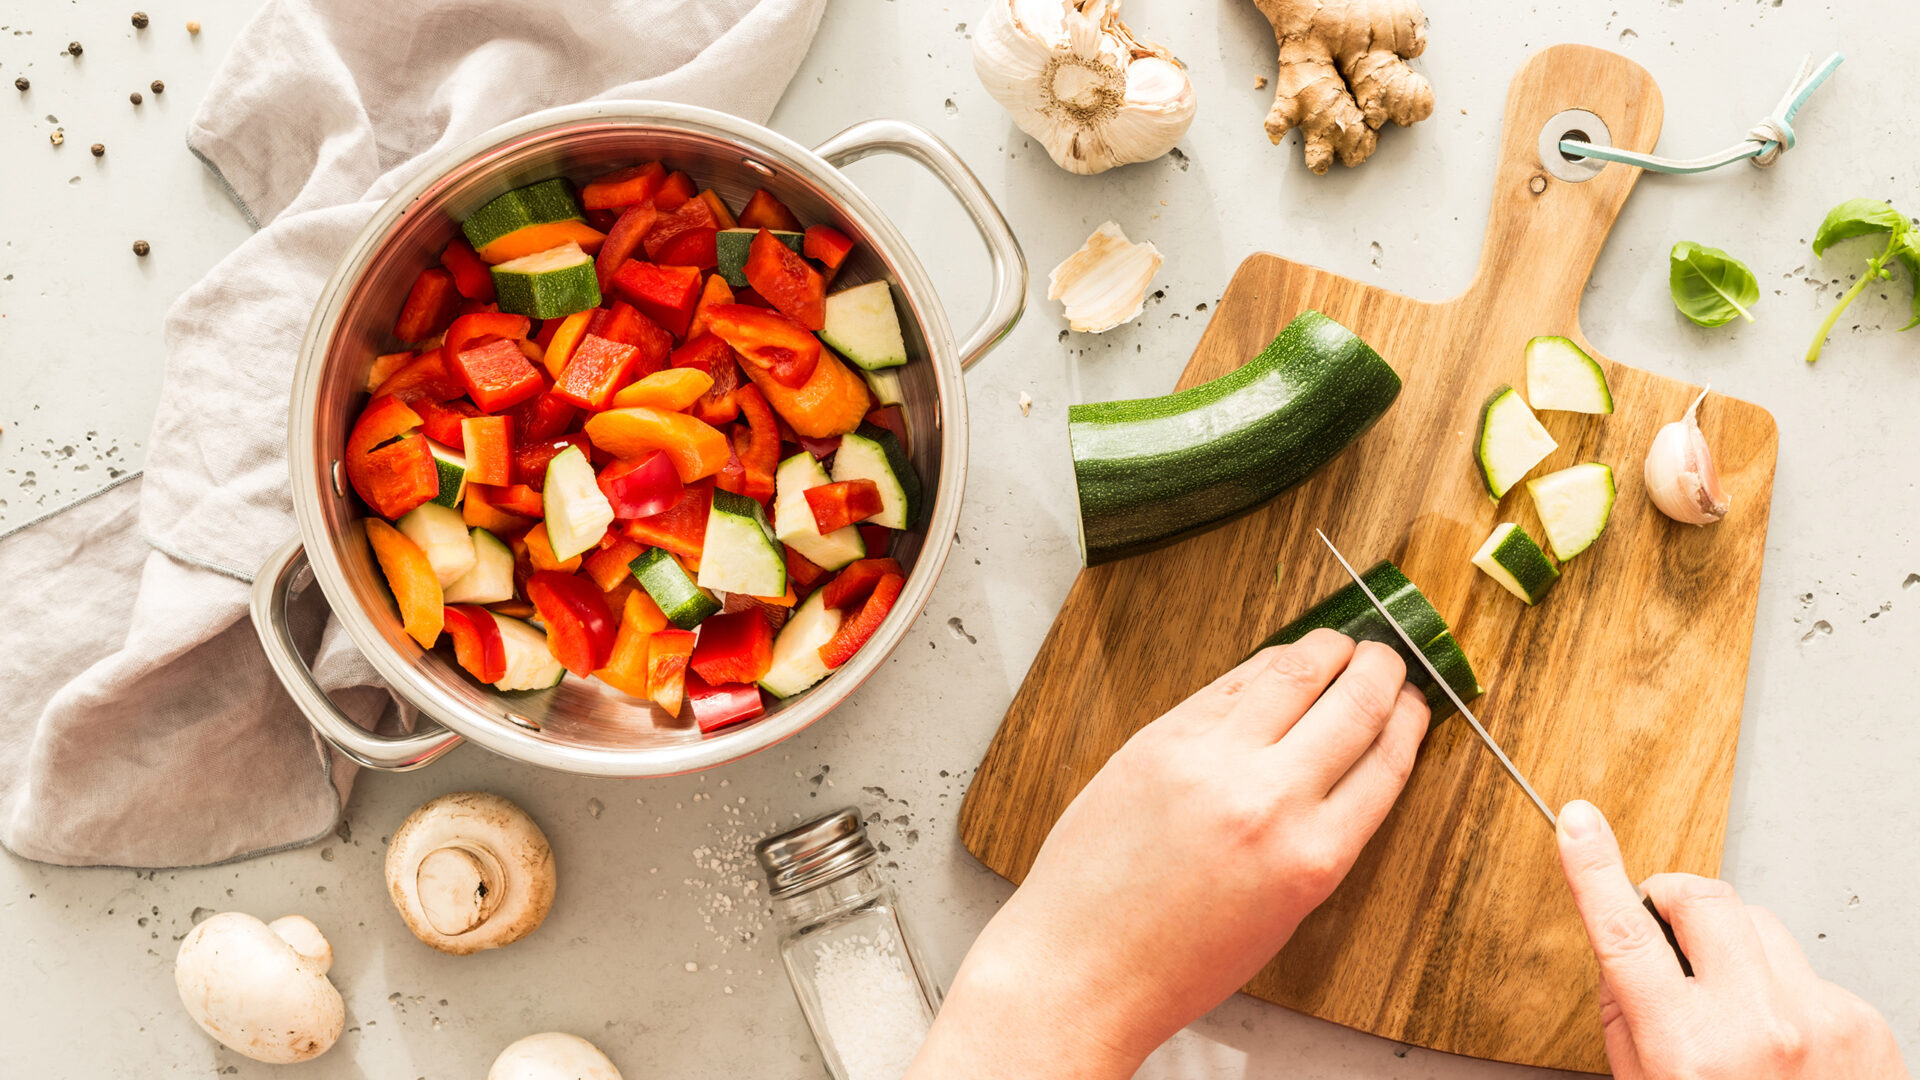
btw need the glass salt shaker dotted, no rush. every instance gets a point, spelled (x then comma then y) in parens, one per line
(865, 994)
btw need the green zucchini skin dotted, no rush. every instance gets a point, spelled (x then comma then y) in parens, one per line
(1154, 471)
(1348, 611)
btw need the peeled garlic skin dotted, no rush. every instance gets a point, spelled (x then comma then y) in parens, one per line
(1681, 477)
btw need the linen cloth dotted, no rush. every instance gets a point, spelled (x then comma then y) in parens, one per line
(140, 724)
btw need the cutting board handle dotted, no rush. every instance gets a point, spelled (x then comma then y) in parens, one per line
(1534, 209)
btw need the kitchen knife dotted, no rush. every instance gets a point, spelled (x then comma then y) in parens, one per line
(1686, 967)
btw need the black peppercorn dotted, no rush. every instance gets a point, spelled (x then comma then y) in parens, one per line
(99, 149)
(134, 97)
(74, 48)
(139, 20)
(21, 83)
(140, 247)
(158, 87)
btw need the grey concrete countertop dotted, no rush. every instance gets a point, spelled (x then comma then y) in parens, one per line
(654, 874)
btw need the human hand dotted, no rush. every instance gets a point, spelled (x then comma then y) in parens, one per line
(1185, 864)
(1754, 1009)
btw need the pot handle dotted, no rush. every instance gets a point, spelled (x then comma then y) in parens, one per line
(271, 588)
(927, 150)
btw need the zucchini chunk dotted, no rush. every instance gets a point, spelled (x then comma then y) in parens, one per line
(1511, 558)
(730, 247)
(1348, 611)
(1154, 471)
(1511, 441)
(862, 325)
(1574, 504)
(1562, 377)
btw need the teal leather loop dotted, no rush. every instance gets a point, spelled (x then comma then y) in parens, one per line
(1764, 144)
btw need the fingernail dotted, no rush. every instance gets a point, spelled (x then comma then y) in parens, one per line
(1580, 819)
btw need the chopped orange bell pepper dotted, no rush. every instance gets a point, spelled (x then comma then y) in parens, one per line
(673, 390)
(611, 565)
(540, 552)
(833, 401)
(479, 510)
(415, 587)
(536, 238)
(668, 652)
(565, 339)
(697, 449)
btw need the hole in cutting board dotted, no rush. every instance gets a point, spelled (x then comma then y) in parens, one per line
(1576, 135)
(1572, 124)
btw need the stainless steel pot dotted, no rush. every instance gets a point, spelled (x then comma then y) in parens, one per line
(581, 726)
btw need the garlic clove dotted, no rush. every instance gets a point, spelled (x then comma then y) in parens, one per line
(1681, 477)
(1104, 283)
(1074, 77)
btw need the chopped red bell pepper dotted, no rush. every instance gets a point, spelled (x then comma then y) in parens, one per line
(768, 340)
(734, 648)
(426, 377)
(843, 503)
(477, 642)
(667, 654)
(471, 275)
(698, 248)
(530, 458)
(603, 220)
(488, 442)
(673, 192)
(498, 375)
(856, 582)
(681, 530)
(622, 323)
(893, 419)
(623, 241)
(801, 570)
(858, 629)
(763, 211)
(387, 460)
(750, 298)
(519, 498)
(665, 294)
(429, 307)
(623, 187)
(708, 353)
(793, 286)
(715, 707)
(733, 475)
(477, 328)
(819, 448)
(826, 245)
(440, 421)
(612, 564)
(597, 370)
(541, 417)
(642, 487)
(877, 538)
(580, 629)
(761, 455)
(693, 214)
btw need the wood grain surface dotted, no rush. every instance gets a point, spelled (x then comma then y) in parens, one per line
(1454, 931)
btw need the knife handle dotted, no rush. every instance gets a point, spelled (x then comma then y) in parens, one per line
(1686, 966)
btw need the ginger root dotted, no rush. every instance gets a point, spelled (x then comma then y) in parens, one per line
(1343, 73)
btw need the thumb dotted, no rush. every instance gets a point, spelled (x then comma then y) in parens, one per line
(1634, 957)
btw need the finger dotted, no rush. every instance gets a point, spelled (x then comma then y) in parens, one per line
(1784, 955)
(1217, 700)
(1368, 791)
(1348, 717)
(1622, 1053)
(1287, 684)
(1711, 923)
(1633, 953)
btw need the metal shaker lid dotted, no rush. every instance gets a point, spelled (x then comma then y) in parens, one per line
(815, 853)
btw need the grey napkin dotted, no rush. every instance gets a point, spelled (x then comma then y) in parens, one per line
(140, 724)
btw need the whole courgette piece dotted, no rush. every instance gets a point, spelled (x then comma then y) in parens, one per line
(1349, 612)
(1153, 471)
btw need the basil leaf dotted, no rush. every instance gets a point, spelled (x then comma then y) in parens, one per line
(1710, 286)
(1857, 217)
(1909, 256)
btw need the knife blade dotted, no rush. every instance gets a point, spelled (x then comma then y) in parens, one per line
(1686, 966)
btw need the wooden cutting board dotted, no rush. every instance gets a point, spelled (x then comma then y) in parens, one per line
(1454, 931)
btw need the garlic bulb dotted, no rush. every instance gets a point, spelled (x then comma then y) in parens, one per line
(1074, 77)
(1681, 477)
(1104, 283)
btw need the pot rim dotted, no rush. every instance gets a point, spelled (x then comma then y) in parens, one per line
(499, 733)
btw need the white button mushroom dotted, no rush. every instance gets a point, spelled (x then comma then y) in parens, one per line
(261, 988)
(552, 1055)
(470, 871)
